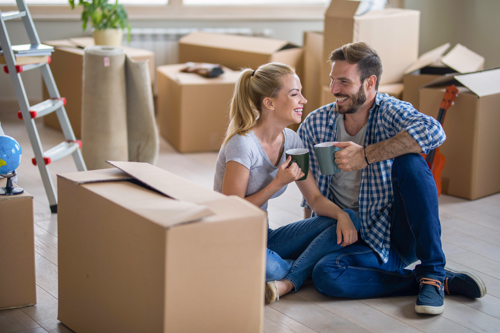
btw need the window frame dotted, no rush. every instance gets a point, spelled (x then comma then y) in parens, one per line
(175, 10)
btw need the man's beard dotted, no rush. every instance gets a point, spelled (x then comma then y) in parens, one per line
(357, 101)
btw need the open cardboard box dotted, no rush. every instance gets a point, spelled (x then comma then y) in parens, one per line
(472, 163)
(143, 250)
(392, 33)
(67, 69)
(193, 111)
(17, 250)
(433, 64)
(237, 52)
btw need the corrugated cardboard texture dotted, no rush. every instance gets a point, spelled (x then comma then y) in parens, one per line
(121, 271)
(472, 164)
(193, 112)
(237, 52)
(313, 59)
(17, 250)
(393, 33)
(67, 69)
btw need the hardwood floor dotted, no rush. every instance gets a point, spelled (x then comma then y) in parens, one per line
(471, 234)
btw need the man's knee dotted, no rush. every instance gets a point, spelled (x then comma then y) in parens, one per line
(325, 277)
(410, 166)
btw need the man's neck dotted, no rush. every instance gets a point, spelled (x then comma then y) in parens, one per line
(354, 122)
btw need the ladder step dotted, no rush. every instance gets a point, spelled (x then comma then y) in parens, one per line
(12, 15)
(44, 108)
(23, 68)
(61, 150)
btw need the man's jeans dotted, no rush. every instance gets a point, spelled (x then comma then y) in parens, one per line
(358, 272)
(294, 249)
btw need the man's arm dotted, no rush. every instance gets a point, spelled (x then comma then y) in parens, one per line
(352, 157)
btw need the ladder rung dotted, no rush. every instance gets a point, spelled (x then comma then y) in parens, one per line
(61, 150)
(13, 15)
(22, 68)
(44, 108)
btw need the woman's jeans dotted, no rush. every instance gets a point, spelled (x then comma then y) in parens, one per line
(357, 271)
(294, 249)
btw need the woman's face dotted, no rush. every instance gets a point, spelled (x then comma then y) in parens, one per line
(289, 103)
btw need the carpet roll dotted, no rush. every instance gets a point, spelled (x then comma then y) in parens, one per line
(104, 107)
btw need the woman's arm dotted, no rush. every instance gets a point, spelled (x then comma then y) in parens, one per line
(346, 231)
(236, 179)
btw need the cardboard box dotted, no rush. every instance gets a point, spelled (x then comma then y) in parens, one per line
(393, 33)
(67, 69)
(472, 163)
(237, 52)
(432, 65)
(157, 253)
(313, 61)
(17, 250)
(193, 111)
(394, 90)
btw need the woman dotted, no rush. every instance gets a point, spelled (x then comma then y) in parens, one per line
(252, 165)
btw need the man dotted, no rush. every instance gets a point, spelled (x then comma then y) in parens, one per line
(388, 183)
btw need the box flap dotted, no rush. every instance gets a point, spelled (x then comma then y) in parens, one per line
(95, 176)
(233, 42)
(482, 83)
(463, 60)
(342, 8)
(167, 183)
(428, 58)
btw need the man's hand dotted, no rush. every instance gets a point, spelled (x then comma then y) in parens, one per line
(346, 232)
(351, 157)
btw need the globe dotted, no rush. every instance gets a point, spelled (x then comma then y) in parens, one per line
(10, 154)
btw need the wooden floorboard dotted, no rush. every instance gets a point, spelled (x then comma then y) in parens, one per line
(470, 234)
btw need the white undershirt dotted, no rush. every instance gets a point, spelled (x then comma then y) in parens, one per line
(345, 185)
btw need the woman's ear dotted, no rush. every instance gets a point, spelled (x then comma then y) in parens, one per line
(268, 103)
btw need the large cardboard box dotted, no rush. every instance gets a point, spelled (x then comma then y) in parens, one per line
(472, 163)
(433, 64)
(144, 250)
(193, 111)
(17, 250)
(67, 69)
(237, 52)
(392, 32)
(313, 61)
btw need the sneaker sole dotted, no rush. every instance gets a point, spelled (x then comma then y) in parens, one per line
(477, 279)
(431, 310)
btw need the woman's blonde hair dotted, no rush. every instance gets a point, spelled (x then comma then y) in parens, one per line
(250, 90)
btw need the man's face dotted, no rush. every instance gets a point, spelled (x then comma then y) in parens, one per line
(347, 87)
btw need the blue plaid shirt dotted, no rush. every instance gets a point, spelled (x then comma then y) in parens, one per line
(388, 117)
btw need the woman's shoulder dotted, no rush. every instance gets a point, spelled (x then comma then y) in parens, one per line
(240, 142)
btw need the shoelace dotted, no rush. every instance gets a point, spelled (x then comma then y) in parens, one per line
(433, 282)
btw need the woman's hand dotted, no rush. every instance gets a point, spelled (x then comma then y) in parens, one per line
(287, 174)
(346, 232)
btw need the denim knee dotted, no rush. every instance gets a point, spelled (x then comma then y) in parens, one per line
(325, 275)
(408, 165)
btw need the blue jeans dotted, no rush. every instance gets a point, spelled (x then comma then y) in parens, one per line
(294, 249)
(358, 272)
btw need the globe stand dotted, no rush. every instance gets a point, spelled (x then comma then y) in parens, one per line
(9, 189)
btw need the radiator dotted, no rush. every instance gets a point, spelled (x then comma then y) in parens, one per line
(164, 42)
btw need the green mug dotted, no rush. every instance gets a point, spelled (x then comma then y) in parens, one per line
(301, 157)
(325, 152)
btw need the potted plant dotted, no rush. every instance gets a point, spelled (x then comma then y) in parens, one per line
(108, 20)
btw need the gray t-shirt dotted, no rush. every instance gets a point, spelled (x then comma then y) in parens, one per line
(344, 185)
(247, 150)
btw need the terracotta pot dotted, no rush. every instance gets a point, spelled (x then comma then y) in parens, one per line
(109, 37)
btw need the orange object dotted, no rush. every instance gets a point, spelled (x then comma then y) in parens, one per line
(435, 160)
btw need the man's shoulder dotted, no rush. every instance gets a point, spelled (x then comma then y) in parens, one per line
(387, 101)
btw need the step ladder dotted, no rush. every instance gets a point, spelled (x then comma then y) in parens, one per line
(29, 113)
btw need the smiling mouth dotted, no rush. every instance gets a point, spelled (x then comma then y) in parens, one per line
(341, 99)
(298, 111)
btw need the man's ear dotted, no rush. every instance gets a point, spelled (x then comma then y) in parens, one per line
(371, 81)
(268, 103)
